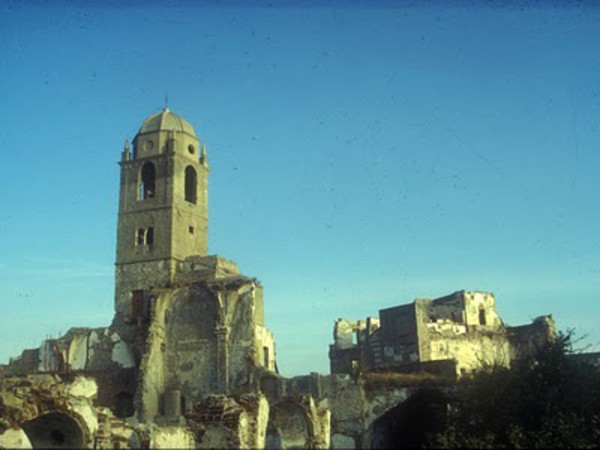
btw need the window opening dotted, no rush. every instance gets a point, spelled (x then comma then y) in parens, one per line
(481, 315)
(150, 236)
(140, 237)
(148, 181)
(191, 229)
(266, 357)
(191, 183)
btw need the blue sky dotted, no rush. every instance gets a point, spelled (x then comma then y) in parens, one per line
(363, 154)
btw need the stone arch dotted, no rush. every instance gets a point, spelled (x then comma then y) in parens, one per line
(407, 424)
(147, 183)
(54, 430)
(289, 426)
(191, 184)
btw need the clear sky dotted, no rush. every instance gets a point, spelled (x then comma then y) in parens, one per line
(362, 153)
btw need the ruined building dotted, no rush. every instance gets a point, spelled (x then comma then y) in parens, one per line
(454, 335)
(188, 360)
(390, 375)
(189, 363)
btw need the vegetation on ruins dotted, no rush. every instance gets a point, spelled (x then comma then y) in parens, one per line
(375, 381)
(548, 400)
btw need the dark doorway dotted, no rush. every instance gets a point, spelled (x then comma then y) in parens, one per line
(124, 405)
(53, 430)
(409, 424)
(137, 303)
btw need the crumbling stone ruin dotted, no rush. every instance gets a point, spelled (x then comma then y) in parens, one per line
(395, 372)
(189, 363)
(453, 335)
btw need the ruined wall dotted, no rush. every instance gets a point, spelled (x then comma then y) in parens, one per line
(346, 402)
(470, 350)
(480, 309)
(357, 403)
(463, 327)
(12, 438)
(470, 308)
(48, 408)
(191, 342)
(298, 422)
(265, 343)
(219, 421)
(205, 338)
(171, 437)
(356, 345)
(246, 337)
(149, 400)
(422, 307)
(99, 352)
(526, 339)
(399, 335)
(204, 268)
(139, 276)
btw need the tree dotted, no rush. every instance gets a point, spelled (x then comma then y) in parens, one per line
(550, 399)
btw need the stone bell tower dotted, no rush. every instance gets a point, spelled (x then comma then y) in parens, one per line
(162, 208)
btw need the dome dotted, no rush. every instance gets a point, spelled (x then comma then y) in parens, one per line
(166, 120)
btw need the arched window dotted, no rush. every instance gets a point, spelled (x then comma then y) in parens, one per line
(191, 184)
(148, 181)
(141, 237)
(150, 236)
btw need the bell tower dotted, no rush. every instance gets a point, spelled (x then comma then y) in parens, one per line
(162, 208)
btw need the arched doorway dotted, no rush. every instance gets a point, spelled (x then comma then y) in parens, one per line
(54, 430)
(408, 424)
(288, 427)
(124, 405)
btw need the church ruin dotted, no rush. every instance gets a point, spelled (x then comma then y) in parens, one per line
(188, 361)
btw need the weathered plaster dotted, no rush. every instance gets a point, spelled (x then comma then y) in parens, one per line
(12, 438)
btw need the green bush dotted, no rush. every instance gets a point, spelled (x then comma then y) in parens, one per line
(547, 400)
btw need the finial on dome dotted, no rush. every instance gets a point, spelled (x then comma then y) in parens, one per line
(166, 120)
